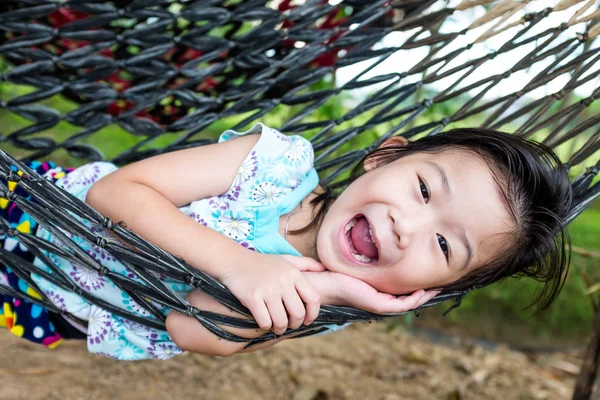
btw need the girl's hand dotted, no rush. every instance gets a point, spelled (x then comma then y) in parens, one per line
(344, 290)
(273, 287)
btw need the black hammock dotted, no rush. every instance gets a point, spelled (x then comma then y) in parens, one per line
(166, 70)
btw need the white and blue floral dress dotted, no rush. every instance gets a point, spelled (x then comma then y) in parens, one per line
(272, 180)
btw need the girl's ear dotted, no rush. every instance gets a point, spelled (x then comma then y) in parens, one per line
(373, 162)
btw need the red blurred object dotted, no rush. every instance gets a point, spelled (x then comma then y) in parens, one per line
(328, 59)
(208, 84)
(331, 21)
(63, 16)
(285, 5)
(167, 112)
(119, 83)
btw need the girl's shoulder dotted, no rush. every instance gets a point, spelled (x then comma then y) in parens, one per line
(275, 175)
(281, 161)
(274, 146)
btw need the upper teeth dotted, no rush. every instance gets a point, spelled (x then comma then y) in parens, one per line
(350, 225)
(359, 257)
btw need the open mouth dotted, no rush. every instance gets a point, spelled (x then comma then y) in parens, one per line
(359, 236)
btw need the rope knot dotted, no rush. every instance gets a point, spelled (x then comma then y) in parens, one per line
(77, 290)
(11, 196)
(592, 170)
(107, 223)
(101, 242)
(560, 94)
(192, 280)
(12, 176)
(191, 311)
(587, 101)
(33, 179)
(103, 270)
(12, 232)
(546, 11)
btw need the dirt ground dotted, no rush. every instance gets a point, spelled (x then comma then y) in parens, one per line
(362, 362)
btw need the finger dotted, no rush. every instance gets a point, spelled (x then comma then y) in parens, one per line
(387, 304)
(429, 294)
(311, 299)
(414, 300)
(305, 264)
(261, 314)
(295, 310)
(278, 315)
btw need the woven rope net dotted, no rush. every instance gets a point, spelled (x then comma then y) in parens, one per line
(347, 75)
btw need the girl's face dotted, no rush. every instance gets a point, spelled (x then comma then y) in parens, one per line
(422, 221)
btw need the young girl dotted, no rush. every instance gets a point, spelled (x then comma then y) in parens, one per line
(451, 211)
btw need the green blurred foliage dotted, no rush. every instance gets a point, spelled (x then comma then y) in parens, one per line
(572, 313)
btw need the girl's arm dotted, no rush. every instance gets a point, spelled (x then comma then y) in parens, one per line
(189, 335)
(146, 196)
(334, 289)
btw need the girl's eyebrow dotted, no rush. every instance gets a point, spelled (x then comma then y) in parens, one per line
(467, 244)
(463, 234)
(442, 172)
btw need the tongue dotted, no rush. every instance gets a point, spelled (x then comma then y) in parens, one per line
(362, 239)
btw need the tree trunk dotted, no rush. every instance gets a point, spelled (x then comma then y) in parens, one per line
(588, 383)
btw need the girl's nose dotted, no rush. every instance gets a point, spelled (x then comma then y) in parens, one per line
(401, 227)
(403, 242)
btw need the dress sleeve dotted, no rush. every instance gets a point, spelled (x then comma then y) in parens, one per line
(79, 181)
(276, 166)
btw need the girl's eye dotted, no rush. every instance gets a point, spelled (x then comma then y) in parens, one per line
(424, 191)
(443, 245)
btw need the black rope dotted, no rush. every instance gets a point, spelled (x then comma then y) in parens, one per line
(161, 68)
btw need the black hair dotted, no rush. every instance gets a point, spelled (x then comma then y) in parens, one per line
(532, 183)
